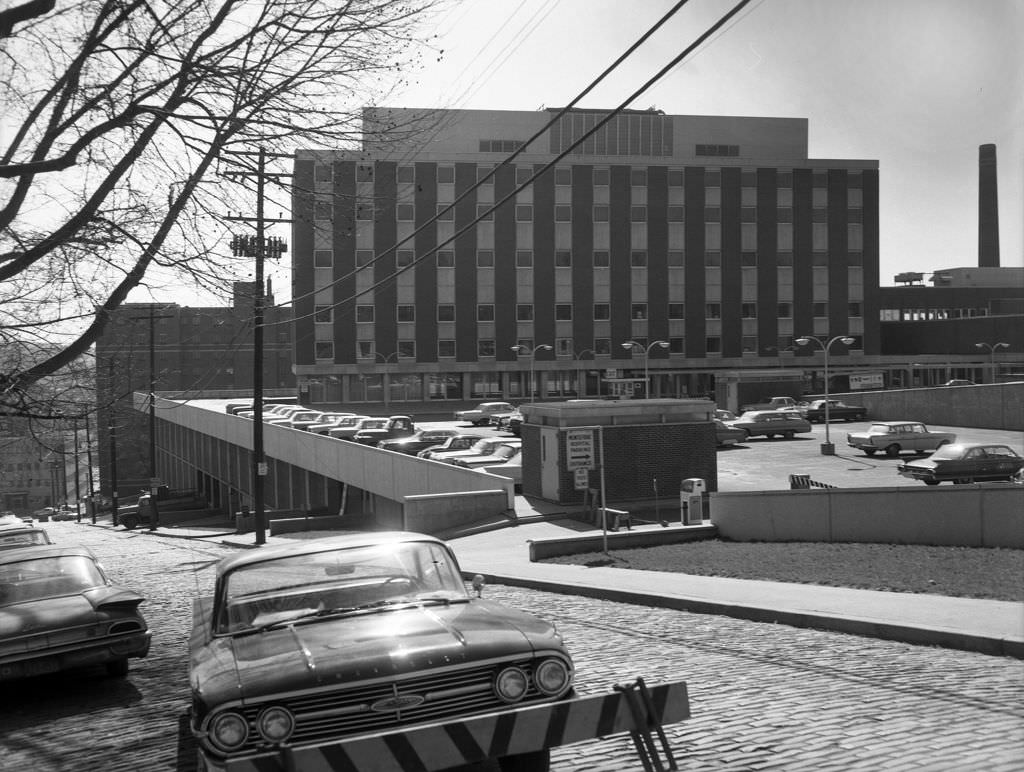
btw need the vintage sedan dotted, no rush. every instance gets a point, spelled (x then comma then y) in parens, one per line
(421, 440)
(502, 454)
(814, 411)
(964, 464)
(771, 423)
(894, 437)
(485, 413)
(15, 533)
(458, 442)
(303, 645)
(58, 610)
(727, 435)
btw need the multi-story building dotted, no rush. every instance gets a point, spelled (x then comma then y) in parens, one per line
(431, 267)
(195, 352)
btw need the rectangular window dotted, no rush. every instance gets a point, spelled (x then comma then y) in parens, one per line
(820, 310)
(748, 259)
(446, 174)
(638, 178)
(485, 212)
(819, 258)
(748, 310)
(364, 314)
(712, 214)
(485, 258)
(365, 349)
(602, 312)
(523, 174)
(675, 178)
(406, 212)
(676, 259)
(677, 345)
(638, 258)
(524, 212)
(601, 177)
(785, 198)
(364, 210)
(403, 257)
(563, 258)
(563, 312)
(406, 349)
(482, 173)
(713, 311)
(485, 312)
(855, 198)
(601, 213)
(405, 174)
(364, 172)
(445, 212)
(485, 348)
(323, 172)
(602, 346)
(445, 258)
(855, 310)
(446, 312)
(323, 258)
(323, 314)
(713, 344)
(676, 213)
(749, 344)
(563, 175)
(322, 210)
(406, 313)
(676, 311)
(638, 310)
(524, 258)
(524, 312)
(785, 310)
(364, 257)
(325, 349)
(712, 259)
(638, 214)
(563, 213)
(602, 259)
(784, 258)
(446, 349)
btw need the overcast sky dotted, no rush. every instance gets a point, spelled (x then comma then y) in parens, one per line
(917, 85)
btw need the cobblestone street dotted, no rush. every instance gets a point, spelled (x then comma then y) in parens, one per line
(762, 696)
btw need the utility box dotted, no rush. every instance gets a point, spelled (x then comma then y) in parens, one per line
(691, 501)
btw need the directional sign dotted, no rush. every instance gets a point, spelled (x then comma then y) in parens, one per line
(579, 449)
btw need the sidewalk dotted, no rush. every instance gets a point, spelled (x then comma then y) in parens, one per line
(502, 556)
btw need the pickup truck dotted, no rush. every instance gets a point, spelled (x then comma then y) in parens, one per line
(395, 426)
(775, 403)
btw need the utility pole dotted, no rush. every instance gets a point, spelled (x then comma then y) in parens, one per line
(78, 485)
(112, 426)
(260, 248)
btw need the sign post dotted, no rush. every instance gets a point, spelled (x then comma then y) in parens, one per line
(580, 458)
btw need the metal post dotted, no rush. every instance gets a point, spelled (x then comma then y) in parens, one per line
(88, 459)
(258, 458)
(604, 500)
(78, 485)
(113, 469)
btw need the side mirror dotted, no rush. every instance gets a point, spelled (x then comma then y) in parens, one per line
(478, 584)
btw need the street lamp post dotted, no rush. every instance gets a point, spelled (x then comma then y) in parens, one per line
(629, 345)
(385, 381)
(533, 359)
(992, 348)
(827, 448)
(581, 392)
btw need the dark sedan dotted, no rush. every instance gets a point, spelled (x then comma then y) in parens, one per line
(771, 423)
(964, 464)
(58, 610)
(837, 411)
(307, 644)
(421, 440)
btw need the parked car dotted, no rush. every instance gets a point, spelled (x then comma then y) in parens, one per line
(348, 432)
(773, 403)
(512, 469)
(421, 440)
(485, 446)
(332, 420)
(725, 415)
(965, 464)
(728, 435)
(58, 610)
(837, 411)
(15, 533)
(485, 413)
(396, 638)
(346, 426)
(502, 454)
(894, 437)
(394, 427)
(456, 442)
(513, 422)
(771, 423)
(959, 382)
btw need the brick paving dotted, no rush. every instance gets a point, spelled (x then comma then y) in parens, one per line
(763, 697)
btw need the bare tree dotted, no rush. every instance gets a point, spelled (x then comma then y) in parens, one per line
(120, 116)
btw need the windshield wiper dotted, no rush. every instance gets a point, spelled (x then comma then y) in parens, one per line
(285, 618)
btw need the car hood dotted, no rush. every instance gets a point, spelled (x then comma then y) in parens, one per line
(381, 644)
(65, 611)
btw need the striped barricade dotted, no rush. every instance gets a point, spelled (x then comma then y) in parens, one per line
(473, 739)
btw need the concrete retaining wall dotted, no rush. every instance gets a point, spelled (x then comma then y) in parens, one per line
(432, 513)
(652, 537)
(976, 515)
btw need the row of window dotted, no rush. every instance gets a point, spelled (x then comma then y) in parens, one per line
(485, 312)
(599, 176)
(563, 258)
(564, 347)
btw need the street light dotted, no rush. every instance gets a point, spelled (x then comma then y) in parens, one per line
(629, 345)
(991, 348)
(827, 449)
(533, 359)
(385, 380)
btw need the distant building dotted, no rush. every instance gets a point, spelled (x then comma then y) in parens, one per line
(32, 475)
(197, 351)
(717, 235)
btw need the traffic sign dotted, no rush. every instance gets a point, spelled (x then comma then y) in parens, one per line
(579, 449)
(581, 479)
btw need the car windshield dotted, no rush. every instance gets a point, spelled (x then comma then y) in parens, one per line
(506, 451)
(316, 585)
(949, 452)
(879, 429)
(48, 577)
(22, 539)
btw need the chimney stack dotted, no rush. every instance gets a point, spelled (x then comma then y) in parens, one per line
(988, 208)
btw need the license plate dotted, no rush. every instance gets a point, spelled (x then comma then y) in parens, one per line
(27, 669)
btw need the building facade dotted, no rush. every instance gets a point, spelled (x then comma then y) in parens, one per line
(428, 267)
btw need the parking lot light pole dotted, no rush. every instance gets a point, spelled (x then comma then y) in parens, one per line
(992, 348)
(827, 448)
(629, 345)
(533, 359)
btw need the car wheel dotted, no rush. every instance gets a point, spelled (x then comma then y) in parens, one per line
(129, 522)
(892, 451)
(870, 451)
(787, 435)
(539, 761)
(931, 482)
(962, 481)
(118, 668)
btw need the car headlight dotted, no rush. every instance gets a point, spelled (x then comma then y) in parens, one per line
(511, 684)
(275, 724)
(551, 676)
(229, 731)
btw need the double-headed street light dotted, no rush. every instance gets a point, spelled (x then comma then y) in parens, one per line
(827, 449)
(991, 348)
(533, 359)
(630, 345)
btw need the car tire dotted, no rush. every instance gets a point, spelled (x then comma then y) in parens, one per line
(118, 668)
(931, 482)
(869, 451)
(130, 522)
(787, 435)
(538, 761)
(892, 451)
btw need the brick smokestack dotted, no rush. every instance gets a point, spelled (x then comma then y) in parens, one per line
(988, 208)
